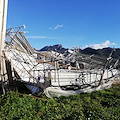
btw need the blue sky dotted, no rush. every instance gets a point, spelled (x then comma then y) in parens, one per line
(72, 23)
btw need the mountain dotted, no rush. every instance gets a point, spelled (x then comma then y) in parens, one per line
(105, 52)
(56, 48)
(89, 51)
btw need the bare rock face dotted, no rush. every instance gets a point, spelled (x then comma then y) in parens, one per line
(57, 48)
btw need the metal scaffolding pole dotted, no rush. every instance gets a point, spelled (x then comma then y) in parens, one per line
(3, 16)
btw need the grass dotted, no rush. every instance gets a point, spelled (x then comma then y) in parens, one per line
(100, 105)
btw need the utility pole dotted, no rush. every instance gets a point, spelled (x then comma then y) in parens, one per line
(3, 16)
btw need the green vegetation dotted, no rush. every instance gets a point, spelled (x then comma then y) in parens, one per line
(100, 105)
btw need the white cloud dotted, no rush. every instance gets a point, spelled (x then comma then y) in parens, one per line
(56, 27)
(100, 46)
(40, 37)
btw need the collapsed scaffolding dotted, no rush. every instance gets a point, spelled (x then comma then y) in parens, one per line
(24, 60)
(22, 64)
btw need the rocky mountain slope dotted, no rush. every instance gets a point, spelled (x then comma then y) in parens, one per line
(89, 51)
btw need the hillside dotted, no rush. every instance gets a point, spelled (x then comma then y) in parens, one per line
(89, 51)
